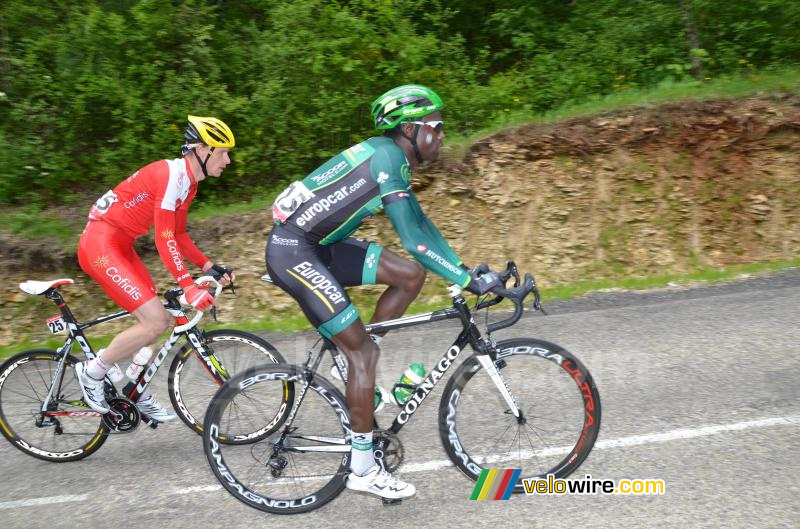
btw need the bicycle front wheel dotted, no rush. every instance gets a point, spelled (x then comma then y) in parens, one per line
(192, 383)
(66, 429)
(299, 467)
(559, 405)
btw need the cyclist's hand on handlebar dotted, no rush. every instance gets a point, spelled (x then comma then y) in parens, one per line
(198, 297)
(223, 274)
(483, 281)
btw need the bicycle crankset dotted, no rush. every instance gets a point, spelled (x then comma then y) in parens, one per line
(389, 450)
(123, 417)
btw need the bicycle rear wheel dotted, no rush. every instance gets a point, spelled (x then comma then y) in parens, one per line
(192, 384)
(68, 430)
(298, 468)
(560, 408)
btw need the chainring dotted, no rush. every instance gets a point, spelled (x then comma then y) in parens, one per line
(124, 415)
(388, 449)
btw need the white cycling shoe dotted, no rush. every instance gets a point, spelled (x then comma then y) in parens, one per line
(93, 390)
(379, 482)
(153, 409)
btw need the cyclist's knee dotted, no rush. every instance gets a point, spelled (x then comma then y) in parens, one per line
(155, 325)
(410, 277)
(418, 277)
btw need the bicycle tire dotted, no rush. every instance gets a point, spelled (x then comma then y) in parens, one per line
(472, 411)
(321, 421)
(25, 381)
(233, 349)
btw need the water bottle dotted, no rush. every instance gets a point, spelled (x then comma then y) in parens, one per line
(413, 376)
(140, 361)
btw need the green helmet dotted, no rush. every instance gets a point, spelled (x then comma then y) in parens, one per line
(402, 103)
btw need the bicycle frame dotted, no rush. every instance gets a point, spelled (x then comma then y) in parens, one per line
(133, 389)
(470, 335)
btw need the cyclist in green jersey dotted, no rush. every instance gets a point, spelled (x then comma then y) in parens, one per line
(311, 255)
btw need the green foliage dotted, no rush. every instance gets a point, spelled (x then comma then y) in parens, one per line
(90, 91)
(31, 222)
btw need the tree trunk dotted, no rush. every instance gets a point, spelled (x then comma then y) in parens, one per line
(693, 40)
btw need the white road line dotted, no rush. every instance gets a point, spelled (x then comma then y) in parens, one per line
(634, 440)
(32, 502)
(201, 488)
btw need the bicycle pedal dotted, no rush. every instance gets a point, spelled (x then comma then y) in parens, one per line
(152, 423)
(392, 501)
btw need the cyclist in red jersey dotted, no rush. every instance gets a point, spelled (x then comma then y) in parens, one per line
(159, 195)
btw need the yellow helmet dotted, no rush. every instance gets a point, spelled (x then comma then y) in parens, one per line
(208, 131)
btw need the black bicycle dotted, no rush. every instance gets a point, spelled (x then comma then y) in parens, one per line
(521, 402)
(42, 411)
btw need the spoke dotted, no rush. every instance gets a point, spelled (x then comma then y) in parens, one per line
(31, 385)
(510, 424)
(253, 399)
(24, 395)
(46, 383)
(533, 449)
(228, 428)
(295, 482)
(267, 447)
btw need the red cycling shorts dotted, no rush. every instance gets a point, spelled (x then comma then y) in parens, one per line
(106, 253)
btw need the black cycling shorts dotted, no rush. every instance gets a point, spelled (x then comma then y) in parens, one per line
(315, 275)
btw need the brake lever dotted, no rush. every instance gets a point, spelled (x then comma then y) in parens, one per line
(213, 312)
(537, 301)
(511, 269)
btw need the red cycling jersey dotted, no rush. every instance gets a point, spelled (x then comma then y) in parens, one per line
(158, 194)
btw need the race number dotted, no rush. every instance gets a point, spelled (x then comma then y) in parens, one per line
(56, 324)
(287, 202)
(103, 203)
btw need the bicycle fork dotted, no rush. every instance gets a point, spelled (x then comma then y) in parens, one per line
(502, 386)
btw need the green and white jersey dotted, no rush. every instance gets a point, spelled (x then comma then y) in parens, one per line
(331, 203)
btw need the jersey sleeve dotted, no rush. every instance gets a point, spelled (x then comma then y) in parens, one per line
(168, 192)
(404, 213)
(186, 244)
(444, 247)
(419, 236)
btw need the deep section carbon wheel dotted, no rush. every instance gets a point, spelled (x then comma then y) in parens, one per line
(303, 463)
(67, 429)
(192, 382)
(559, 421)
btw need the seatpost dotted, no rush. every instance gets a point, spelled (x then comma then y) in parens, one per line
(55, 296)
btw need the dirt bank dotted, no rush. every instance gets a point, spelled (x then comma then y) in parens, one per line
(654, 189)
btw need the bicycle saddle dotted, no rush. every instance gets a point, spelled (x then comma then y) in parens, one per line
(40, 287)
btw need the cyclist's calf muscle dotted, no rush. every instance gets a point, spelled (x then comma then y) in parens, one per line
(362, 355)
